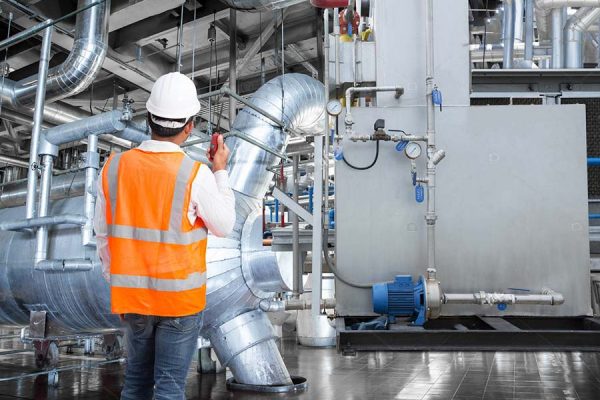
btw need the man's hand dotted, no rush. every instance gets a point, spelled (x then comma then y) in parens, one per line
(219, 160)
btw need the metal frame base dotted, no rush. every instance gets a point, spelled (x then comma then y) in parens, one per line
(299, 385)
(475, 334)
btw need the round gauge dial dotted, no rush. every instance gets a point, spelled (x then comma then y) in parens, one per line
(334, 108)
(413, 150)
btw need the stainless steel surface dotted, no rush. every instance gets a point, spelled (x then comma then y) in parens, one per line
(303, 111)
(548, 297)
(452, 65)
(575, 29)
(508, 32)
(92, 163)
(558, 22)
(13, 161)
(64, 219)
(489, 205)
(246, 344)
(296, 266)
(63, 186)
(232, 63)
(40, 98)
(41, 248)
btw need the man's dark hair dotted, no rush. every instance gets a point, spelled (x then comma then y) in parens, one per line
(162, 131)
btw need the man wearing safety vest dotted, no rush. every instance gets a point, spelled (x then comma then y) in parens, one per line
(154, 209)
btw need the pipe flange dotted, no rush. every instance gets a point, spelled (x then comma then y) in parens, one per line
(433, 296)
(299, 384)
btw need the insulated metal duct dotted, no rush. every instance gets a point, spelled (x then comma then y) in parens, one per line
(260, 5)
(241, 272)
(508, 32)
(575, 29)
(72, 76)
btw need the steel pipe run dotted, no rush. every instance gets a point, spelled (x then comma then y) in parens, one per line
(558, 23)
(575, 28)
(547, 297)
(241, 272)
(508, 33)
(348, 120)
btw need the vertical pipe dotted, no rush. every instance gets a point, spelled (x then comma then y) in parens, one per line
(519, 27)
(430, 216)
(180, 38)
(336, 36)
(41, 246)
(317, 234)
(508, 33)
(232, 63)
(89, 199)
(38, 119)
(296, 231)
(557, 37)
(529, 30)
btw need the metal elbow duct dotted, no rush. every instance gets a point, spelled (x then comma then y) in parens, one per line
(75, 74)
(298, 100)
(260, 5)
(575, 28)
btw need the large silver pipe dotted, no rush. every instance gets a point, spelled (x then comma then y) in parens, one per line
(298, 100)
(73, 75)
(575, 29)
(40, 98)
(13, 161)
(41, 248)
(66, 219)
(519, 25)
(508, 33)
(14, 194)
(558, 23)
(529, 31)
(92, 159)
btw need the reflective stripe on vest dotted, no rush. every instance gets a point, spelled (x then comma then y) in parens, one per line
(193, 281)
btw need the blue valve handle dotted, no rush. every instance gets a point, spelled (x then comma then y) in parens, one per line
(419, 193)
(436, 97)
(401, 145)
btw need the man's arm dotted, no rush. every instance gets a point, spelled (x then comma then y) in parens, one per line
(102, 231)
(213, 201)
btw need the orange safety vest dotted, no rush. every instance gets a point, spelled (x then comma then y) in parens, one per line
(158, 258)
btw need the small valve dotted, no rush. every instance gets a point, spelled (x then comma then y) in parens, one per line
(338, 152)
(419, 193)
(436, 97)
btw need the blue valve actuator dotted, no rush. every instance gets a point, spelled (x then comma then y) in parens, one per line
(338, 153)
(401, 145)
(436, 97)
(419, 193)
(502, 306)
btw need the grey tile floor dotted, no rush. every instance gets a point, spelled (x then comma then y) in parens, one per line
(372, 375)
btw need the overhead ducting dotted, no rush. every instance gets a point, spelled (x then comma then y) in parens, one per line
(260, 5)
(72, 76)
(575, 29)
(241, 272)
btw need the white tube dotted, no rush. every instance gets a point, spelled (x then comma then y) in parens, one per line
(508, 33)
(557, 37)
(430, 216)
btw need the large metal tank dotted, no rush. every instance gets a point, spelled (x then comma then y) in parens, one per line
(240, 271)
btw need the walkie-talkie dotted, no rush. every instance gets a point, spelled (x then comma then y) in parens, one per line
(214, 145)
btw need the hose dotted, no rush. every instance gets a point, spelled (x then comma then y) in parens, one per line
(337, 274)
(367, 167)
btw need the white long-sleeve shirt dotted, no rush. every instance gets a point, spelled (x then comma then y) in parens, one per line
(212, 200)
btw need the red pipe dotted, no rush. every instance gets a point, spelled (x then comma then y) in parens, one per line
(329, 3)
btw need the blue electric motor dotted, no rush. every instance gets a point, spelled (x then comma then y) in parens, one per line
(401, 298)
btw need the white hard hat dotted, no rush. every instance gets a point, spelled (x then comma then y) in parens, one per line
(173, 96)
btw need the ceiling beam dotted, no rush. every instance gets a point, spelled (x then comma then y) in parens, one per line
(140, 11)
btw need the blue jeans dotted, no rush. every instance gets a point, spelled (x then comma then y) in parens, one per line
(159, 354)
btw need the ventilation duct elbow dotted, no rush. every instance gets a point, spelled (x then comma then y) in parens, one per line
(79, 69)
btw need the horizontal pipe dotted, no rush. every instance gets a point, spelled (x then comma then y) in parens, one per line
(547, 297)
(294, 304)
(546, 4)
(17, 162)
(70, 184)
(593, 161)
(594, 216)
(66, 219)
(68, 265)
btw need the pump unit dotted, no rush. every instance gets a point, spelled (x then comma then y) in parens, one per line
(401, 298)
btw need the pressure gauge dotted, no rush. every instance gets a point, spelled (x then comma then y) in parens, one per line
(334, 108)
(413, 150)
